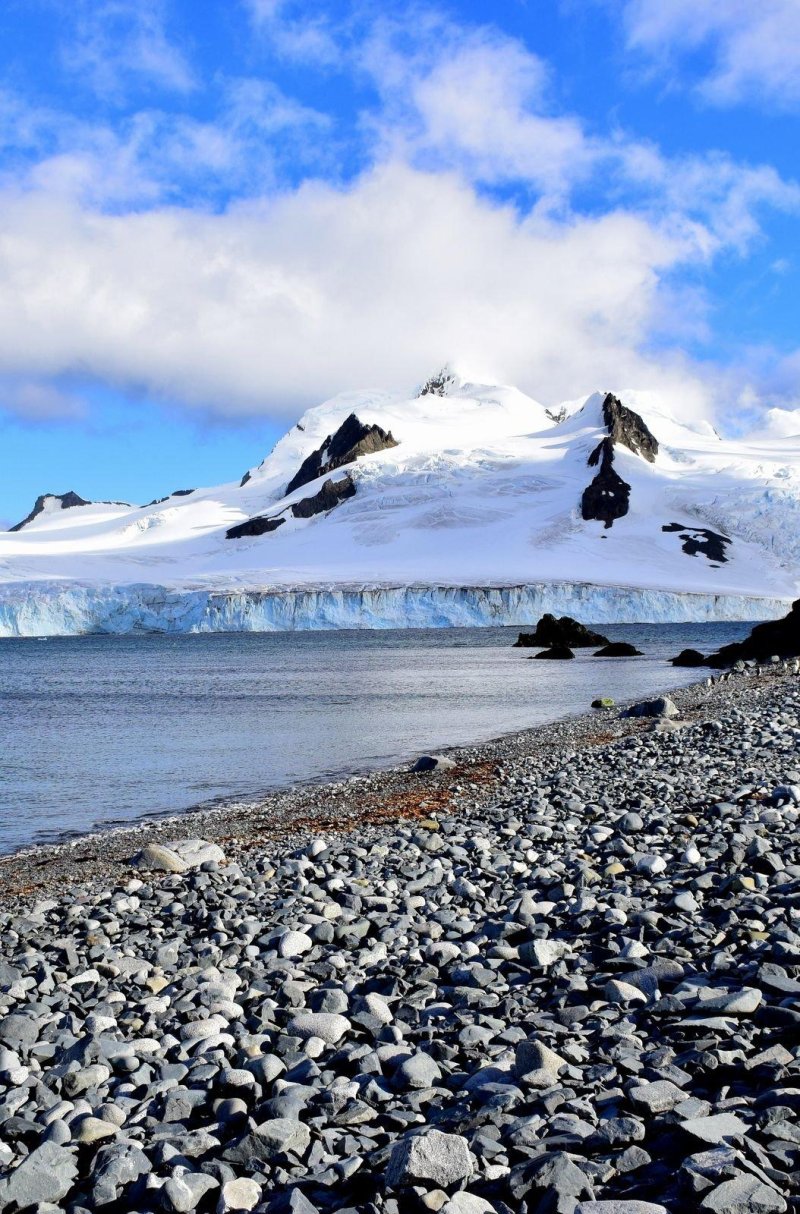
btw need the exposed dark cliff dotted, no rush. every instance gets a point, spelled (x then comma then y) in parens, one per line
(775, 637)
(352, 440)
(607, 496)
(67, 500)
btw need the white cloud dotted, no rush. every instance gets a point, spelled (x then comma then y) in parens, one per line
(475, 101)
(754, 45)
(155, 155)
(116, 42)
(297, 34)
(268, 307)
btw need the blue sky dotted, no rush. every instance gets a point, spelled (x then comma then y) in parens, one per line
(215, 214)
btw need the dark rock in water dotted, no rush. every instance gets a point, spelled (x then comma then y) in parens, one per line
(605, 498)
(701, 540)
(618, 649)
(626, 427)
(67, 501)
(254, 526)
(352, 440)
(689, 657)
(330, 495)
(555, 652)
(775, 637)
(563, 631)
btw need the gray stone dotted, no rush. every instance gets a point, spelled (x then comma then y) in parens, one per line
(715, 1129)
(743, 1195)
(328, 1026)
(657, 1097)
(442, 1159)
(46, 1175)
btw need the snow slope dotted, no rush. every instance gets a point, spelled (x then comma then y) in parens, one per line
(482, 491)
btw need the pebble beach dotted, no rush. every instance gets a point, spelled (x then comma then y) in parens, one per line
(561, 976)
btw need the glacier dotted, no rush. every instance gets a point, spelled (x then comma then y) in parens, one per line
(472, 515)
(42, 610)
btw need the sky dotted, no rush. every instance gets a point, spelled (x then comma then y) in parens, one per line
(216, 213)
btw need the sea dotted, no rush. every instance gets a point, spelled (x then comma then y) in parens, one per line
(101, 731)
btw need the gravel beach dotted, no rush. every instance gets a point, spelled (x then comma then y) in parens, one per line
(562, 975)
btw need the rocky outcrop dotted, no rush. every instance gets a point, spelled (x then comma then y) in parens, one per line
(607, 497)
(779, 638)
(701, 540)
(67, 501)
(564, 631)
(352, 440)
(175, 493)
(689, 657)
(556, 653)
(254, 526)
(628, 428)
(438, 384)
(330, 495)
(618, 649)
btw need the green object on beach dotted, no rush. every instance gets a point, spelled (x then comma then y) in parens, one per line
(603, 702)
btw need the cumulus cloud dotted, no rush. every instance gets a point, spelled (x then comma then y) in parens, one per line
(754, 46)
(269, 306)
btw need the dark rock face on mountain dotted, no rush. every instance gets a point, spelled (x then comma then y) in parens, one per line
(254, 526)
(565, 631)
(689, 657)
(775, 637)
(175, 493)
(330, 495)
(438, 384)
(628, 428)
(556, 653)
(352, 440)
(605, 498)
(67, 500)
(618, 649)
(701, 540)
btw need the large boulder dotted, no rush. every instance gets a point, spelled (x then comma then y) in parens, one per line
(564, 631)
(177, 857)
(662, 707)
(775, 637)
(618, 649)
(689, 657)
(556, 653)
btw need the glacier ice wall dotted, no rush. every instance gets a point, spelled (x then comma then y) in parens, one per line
(59, 609)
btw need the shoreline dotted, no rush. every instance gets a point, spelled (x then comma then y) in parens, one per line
(565, 972)
(283, 818)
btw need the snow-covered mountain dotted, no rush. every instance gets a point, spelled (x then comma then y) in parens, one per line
(464, 503)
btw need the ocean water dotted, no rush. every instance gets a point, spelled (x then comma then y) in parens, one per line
(97, 730)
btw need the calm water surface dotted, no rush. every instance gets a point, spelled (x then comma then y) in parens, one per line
(102, 730)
